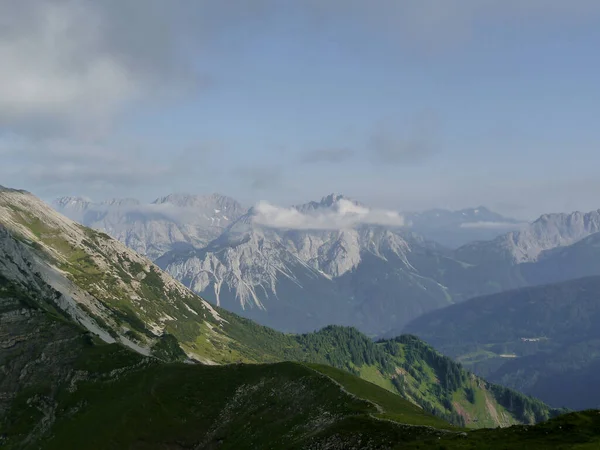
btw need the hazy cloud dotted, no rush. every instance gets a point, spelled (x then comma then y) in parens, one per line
(327, 155)
(164, 211)
(74, 64)
(57, 166)
(435, 24)
(405, 143)
(260, 178)
(71, 65)
(344, 215)
(492, 225)
(70, 68)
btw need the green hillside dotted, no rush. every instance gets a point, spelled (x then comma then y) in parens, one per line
(404, 365)
(543, 340)
(63, 388)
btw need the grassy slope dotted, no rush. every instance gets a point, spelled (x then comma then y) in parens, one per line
(127, 401)
(113, 398)
(405, 366)
(63, 388)
(393, 407)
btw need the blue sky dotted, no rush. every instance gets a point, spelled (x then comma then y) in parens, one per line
(405, 105)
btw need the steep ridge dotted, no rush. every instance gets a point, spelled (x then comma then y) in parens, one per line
(130, 301)
(103, 281)
(543, 340)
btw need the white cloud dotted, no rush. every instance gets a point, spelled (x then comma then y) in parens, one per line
(52, 70)
(343, 215)
(492, 225)
(71, 66)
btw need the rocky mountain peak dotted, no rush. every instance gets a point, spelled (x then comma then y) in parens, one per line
(332, 199)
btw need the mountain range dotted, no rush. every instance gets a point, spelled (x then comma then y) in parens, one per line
(85, 319)
(336, 261)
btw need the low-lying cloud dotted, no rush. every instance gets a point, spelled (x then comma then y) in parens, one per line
(117, 208)
(343, 215)
(492, 225)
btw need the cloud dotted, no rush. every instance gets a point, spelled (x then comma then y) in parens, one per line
(407, 144)
(260, 178)
(345, 214)
(327, 155)
(74, 64)
(119, 207)
(437, 24)
(51, 167)
(71, 66)
(492, 225)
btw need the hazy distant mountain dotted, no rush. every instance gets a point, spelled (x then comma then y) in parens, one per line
(456, 228)
(154, 229)
(548, 232)
(543, 340)
(581, 259)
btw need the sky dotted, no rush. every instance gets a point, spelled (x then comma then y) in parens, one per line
(402, 105)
